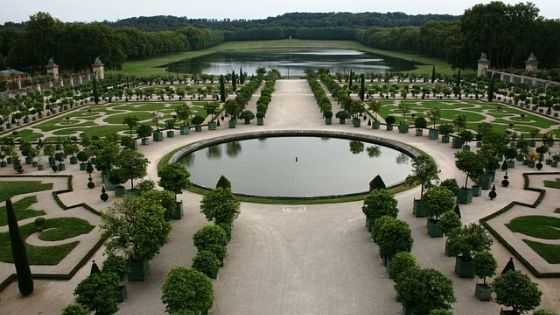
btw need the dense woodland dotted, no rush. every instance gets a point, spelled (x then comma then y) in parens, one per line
(507, 33)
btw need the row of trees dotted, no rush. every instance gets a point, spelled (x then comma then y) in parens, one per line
(508, 33)
(74, 46)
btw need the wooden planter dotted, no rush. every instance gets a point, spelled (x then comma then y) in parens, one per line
(356, 122)
(465, 196)
(184, 131)
(403, 128)
(434, 229)
(419, 210)
(483, 292)
(434, 134)
(138, 270)
(464, 268)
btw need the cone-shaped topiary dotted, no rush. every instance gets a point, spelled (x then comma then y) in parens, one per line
(25, 281)
(223, 183)
(377, 183)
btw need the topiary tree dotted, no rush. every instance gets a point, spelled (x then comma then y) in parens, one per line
(210, 235)
(144, 131)
(438, 200)
(223, 183)
(98, 293)
(19, 253)
(174, 177)
(451, 184)
(425, 171)
(517, 291)
(422, 291)
(393, 236)
(137, 227)
(469, 162)
(378, 203)
(402, 262)
(220, 206)
(187, 289)
(131, 165)
(74, 309)
(484, 265)
(449, 221)
(207, 263)
(377, 182)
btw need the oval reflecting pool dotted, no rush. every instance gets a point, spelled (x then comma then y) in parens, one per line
(297, 166)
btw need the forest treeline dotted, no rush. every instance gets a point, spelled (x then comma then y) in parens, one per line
(507, 33)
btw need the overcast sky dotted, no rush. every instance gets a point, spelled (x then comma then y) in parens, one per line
(97, 10)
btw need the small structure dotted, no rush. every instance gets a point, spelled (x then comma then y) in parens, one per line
(98, 69)
(532, 64)
(483, 65)
(52, 69)
(12, 75)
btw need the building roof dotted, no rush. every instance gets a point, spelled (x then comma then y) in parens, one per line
(532, 59)
(97, 62)
(483, 59)
(51, 63)
(10, 73)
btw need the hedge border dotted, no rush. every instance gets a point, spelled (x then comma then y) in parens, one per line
(4, 284)
(535, 204)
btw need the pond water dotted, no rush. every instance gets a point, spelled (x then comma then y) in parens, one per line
(297, 166)
(291, 62)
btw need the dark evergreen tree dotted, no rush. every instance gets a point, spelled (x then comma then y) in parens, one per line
(95, 91)
(362, 87)
(233, 81)
(19, 254)
(222, 89)
(434, 74)
(377, 183)
(491, 87)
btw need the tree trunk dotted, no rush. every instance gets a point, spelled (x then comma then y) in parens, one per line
(19, 254)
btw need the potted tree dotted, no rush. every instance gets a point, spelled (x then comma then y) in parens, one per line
(470, 163)
(144, 132)
(437, 201)
(83, 157)
(137, 228)
(260, 118)
(403, 124)
(247, 115)
(328, 117)
(445, 130)
(466, 137)
(378, 203)
(434, 115)
(157, 135)
(420, 123)
(174, 178)
(390, 121)
(449, 223)
(464, 244)
(211, 110)
(197, 121)
(422, 290)
(187, 290)
(232, 109)
(392, 236)
(357, 109)
(342, 116)
(401, 263)
(425, 171)
(99, 293)
(484, 267)
(184, 115)
(516, 290)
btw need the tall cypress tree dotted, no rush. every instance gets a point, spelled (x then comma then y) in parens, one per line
(222, 88)
(433, 74)
(241, 76)
(362, 87)
(25, 281)
(350, 80)
(233, 81)
(95, 91)
(491, 89)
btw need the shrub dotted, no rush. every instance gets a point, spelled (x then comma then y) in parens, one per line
(401, 262)
(99, 292)
(451, 184)
(517, 291)
(393, 236)
(449, 221)
(115, 264)
(187, 289)
(378, 203)
(74, 309)
(223, 183)
(438, 200)
(425, 290)
(484, 265)
(39, 224)
(207, 263)
(210, 235)
(220, 206)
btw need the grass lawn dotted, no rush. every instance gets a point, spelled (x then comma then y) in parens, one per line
(10, 189)
(104, 131)
(27, 135)
(118, 119)
(60, 228)
(555, 184)
(22, 210)
(537, 226)
(550, 252)
(153, 66)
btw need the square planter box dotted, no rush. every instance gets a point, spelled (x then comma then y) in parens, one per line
(434, 134)
(328, 121)
(212, 125)
(457, 143)
(476, 191)
(484, 181)
(342, 121)
(483, 292)
(465, 196)
(419, 132)
(375, 125)
(145, 141)
(464, 268)
(356, 122)
(466, 147)
(158, 136)
(434, 229)
(184, 131)
(83, 166)
(119, 191)
(232, 123)
(138, 270)
(260, 121)
(389, 127)
(178, 213)
(445, 139)
(170, 133)
(198, 128)
(419, 210)
(123, 293)
(403, 128)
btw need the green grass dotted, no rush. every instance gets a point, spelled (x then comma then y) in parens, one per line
(555, 184)
(153, 66)
(22, 210)
(64, 228)
(537, 226)
(9, 189)
(27, 135)
(550, 252)
(118, 119)
(46, 255)
(104, 131)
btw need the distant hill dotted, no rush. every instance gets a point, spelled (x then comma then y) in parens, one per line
(288, 20)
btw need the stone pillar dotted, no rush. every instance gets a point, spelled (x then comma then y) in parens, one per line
(532, 64)
(19, 84)
(483, 65)
(52, 70)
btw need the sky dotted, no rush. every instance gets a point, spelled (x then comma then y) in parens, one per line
(99, 10)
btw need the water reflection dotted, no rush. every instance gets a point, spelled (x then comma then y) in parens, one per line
(298, 166)
(291, 62)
